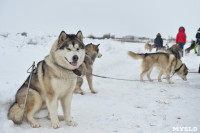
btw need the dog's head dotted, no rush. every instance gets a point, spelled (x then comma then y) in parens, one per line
(92, 50)
(69, 50)
(183, 71)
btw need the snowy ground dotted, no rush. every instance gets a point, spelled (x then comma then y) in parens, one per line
(119, 106)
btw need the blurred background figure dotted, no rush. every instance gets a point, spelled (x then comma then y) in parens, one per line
(197, 43)
(181, 38)
(158, 42)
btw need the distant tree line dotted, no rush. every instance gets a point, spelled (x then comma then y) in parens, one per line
(130, 38)
(105, 36)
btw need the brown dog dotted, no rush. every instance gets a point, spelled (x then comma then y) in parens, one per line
(91, 53)
(166, 63)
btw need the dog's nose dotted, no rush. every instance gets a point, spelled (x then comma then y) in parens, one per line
(75, 58)
(99, 55)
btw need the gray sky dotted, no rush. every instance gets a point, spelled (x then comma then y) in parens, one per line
(97, 17)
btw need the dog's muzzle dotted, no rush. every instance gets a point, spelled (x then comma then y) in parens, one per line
(74, 60)
(99, 55)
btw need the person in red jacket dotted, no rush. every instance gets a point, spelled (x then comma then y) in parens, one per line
(181, 38)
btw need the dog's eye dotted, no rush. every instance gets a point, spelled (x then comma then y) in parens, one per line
(77, 49)
(69, 49)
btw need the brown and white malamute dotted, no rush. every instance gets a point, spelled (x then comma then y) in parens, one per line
(54, 79)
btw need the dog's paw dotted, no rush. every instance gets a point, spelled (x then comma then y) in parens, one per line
(55, 125)
(171, 82)
(94, 92)
(71, 123)
(35, 125)
(79, 91)
(61, 118)
(82, 93)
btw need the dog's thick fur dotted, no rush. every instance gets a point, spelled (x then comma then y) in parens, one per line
(187, 50)
(166, 63)
(175, 49)
(148, 46)
(91, 53)
(53, 79)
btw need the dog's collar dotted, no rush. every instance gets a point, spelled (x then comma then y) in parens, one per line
(178, 69)
(77, 72)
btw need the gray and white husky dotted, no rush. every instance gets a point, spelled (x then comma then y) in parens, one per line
(54, 79)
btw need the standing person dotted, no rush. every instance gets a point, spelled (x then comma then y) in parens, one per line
(181, 38)
(198, 42)
(158, 42)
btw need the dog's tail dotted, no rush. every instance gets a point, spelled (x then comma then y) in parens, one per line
(15, 113)
(136, 56)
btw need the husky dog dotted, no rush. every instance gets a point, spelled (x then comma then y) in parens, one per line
(166, 63)
(148, 46)
(54, 79)
(187, 50)
(91, 53)
(175, 49)
(166, 46)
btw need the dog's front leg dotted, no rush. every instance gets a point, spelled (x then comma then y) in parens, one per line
(66, 106)
(78, 86)
(89, 80)
(52, 105)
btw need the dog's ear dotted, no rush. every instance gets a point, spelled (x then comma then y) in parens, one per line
(62, 37)
(96, 46)
(80, 35)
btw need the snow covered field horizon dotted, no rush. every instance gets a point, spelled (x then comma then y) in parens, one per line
(119, 106)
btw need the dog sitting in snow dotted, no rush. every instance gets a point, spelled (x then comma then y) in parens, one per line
(54, 79)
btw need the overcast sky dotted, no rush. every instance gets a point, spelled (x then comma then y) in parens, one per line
(97, 17)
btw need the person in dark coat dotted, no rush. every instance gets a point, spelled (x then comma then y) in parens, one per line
(198, 42)
(198, 35)
(158, 42)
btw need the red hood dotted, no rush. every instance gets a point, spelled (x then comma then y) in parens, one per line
(181, 29)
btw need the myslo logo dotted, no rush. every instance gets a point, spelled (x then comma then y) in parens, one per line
(185, 129)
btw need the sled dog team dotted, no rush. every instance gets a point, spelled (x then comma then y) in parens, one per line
(61, 73)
